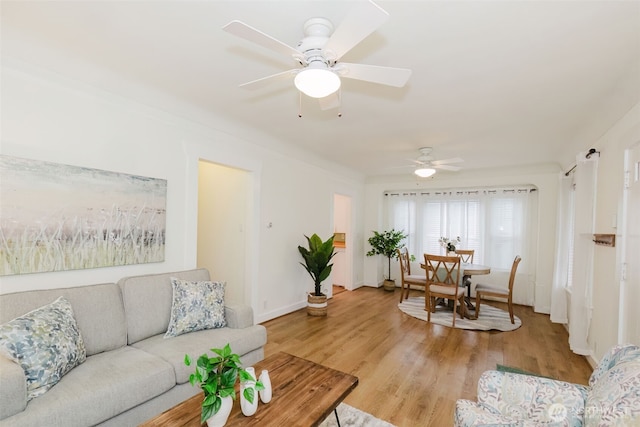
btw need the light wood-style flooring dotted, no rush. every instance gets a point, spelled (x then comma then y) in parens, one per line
(411, 372)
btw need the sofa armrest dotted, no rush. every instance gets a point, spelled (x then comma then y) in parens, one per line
(238, 316)
(614, 356)
(530, 397)
(13, 388)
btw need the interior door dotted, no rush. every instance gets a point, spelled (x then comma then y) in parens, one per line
(630, 326)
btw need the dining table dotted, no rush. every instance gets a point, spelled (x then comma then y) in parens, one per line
(469, 270)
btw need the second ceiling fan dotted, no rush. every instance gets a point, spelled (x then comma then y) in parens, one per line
(426, 165)
(319, 53)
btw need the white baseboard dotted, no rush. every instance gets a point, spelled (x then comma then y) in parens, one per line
(280, 312)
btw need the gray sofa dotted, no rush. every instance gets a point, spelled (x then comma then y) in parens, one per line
(131, 372)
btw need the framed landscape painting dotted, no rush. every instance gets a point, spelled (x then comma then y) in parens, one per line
(58, 217)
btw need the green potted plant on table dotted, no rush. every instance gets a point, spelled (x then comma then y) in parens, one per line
(316, 261)
(386, 243)
(217, 377)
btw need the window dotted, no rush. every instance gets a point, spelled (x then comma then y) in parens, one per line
(496, 223)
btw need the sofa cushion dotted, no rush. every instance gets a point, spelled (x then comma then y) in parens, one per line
(46, 343)
(94, 306)
(106, 385)
(196, 305)
(196, 343)
(147, 301)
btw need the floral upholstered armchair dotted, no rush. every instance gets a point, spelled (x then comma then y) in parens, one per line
(611, 399)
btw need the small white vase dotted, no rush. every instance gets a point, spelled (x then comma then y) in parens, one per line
(219, 419)
(265, 395)
(247, 407)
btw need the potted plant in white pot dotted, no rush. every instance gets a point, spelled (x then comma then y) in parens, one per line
(217, 377)
(386, 243)
(316, 261)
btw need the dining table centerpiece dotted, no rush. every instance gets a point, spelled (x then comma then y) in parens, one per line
(449, 244)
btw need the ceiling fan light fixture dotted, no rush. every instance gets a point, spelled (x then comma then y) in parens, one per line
(424, 172)
(317, 82)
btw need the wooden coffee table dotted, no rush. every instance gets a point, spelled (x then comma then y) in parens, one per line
(304, 394)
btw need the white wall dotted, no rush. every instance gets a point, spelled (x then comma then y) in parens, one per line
(46, 117)
(544, 177)
(603, 331)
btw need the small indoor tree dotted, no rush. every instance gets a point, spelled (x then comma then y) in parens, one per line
(386, 243)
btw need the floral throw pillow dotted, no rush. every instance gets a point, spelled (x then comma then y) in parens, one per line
(46, 343)
(196, 305)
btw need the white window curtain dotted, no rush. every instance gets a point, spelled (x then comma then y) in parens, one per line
(498, 223)
(581, 305)
(564, 245)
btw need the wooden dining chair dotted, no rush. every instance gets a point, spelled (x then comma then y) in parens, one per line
(499, 292)
(443, 281)
(408, 279)
(466, 255)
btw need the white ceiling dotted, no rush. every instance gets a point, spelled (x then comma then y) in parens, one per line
(494, 82)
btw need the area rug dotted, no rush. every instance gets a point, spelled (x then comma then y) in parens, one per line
(491, 318)
(511, 369)
(352, 417)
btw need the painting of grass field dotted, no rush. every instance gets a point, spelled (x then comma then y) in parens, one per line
(58, 217)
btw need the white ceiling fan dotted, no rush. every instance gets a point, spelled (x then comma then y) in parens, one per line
(319, 53)
(426, 165)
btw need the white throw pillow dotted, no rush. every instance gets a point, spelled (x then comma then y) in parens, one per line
(46, 343)
(196, 305)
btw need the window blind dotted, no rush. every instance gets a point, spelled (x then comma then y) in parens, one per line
(495, 222)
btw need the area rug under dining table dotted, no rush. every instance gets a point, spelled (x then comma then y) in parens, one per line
(491, 318)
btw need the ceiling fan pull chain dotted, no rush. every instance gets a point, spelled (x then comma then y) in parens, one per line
(300, 104)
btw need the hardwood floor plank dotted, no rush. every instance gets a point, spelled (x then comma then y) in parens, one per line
(412, 372)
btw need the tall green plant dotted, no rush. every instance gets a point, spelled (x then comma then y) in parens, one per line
(386, 243)
(217, 377)
(316, 259)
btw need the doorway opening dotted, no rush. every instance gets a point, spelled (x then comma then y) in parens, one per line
(223, 206)
(341, 275)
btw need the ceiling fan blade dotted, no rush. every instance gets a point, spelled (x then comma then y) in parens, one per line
(389, 76)
(247, 32)
(330, 102)
(447, 167)
(362, 20)
(448, 161)
(264, 81)
(400, 167)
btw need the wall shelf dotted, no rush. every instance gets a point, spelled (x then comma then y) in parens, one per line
(605, 239)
